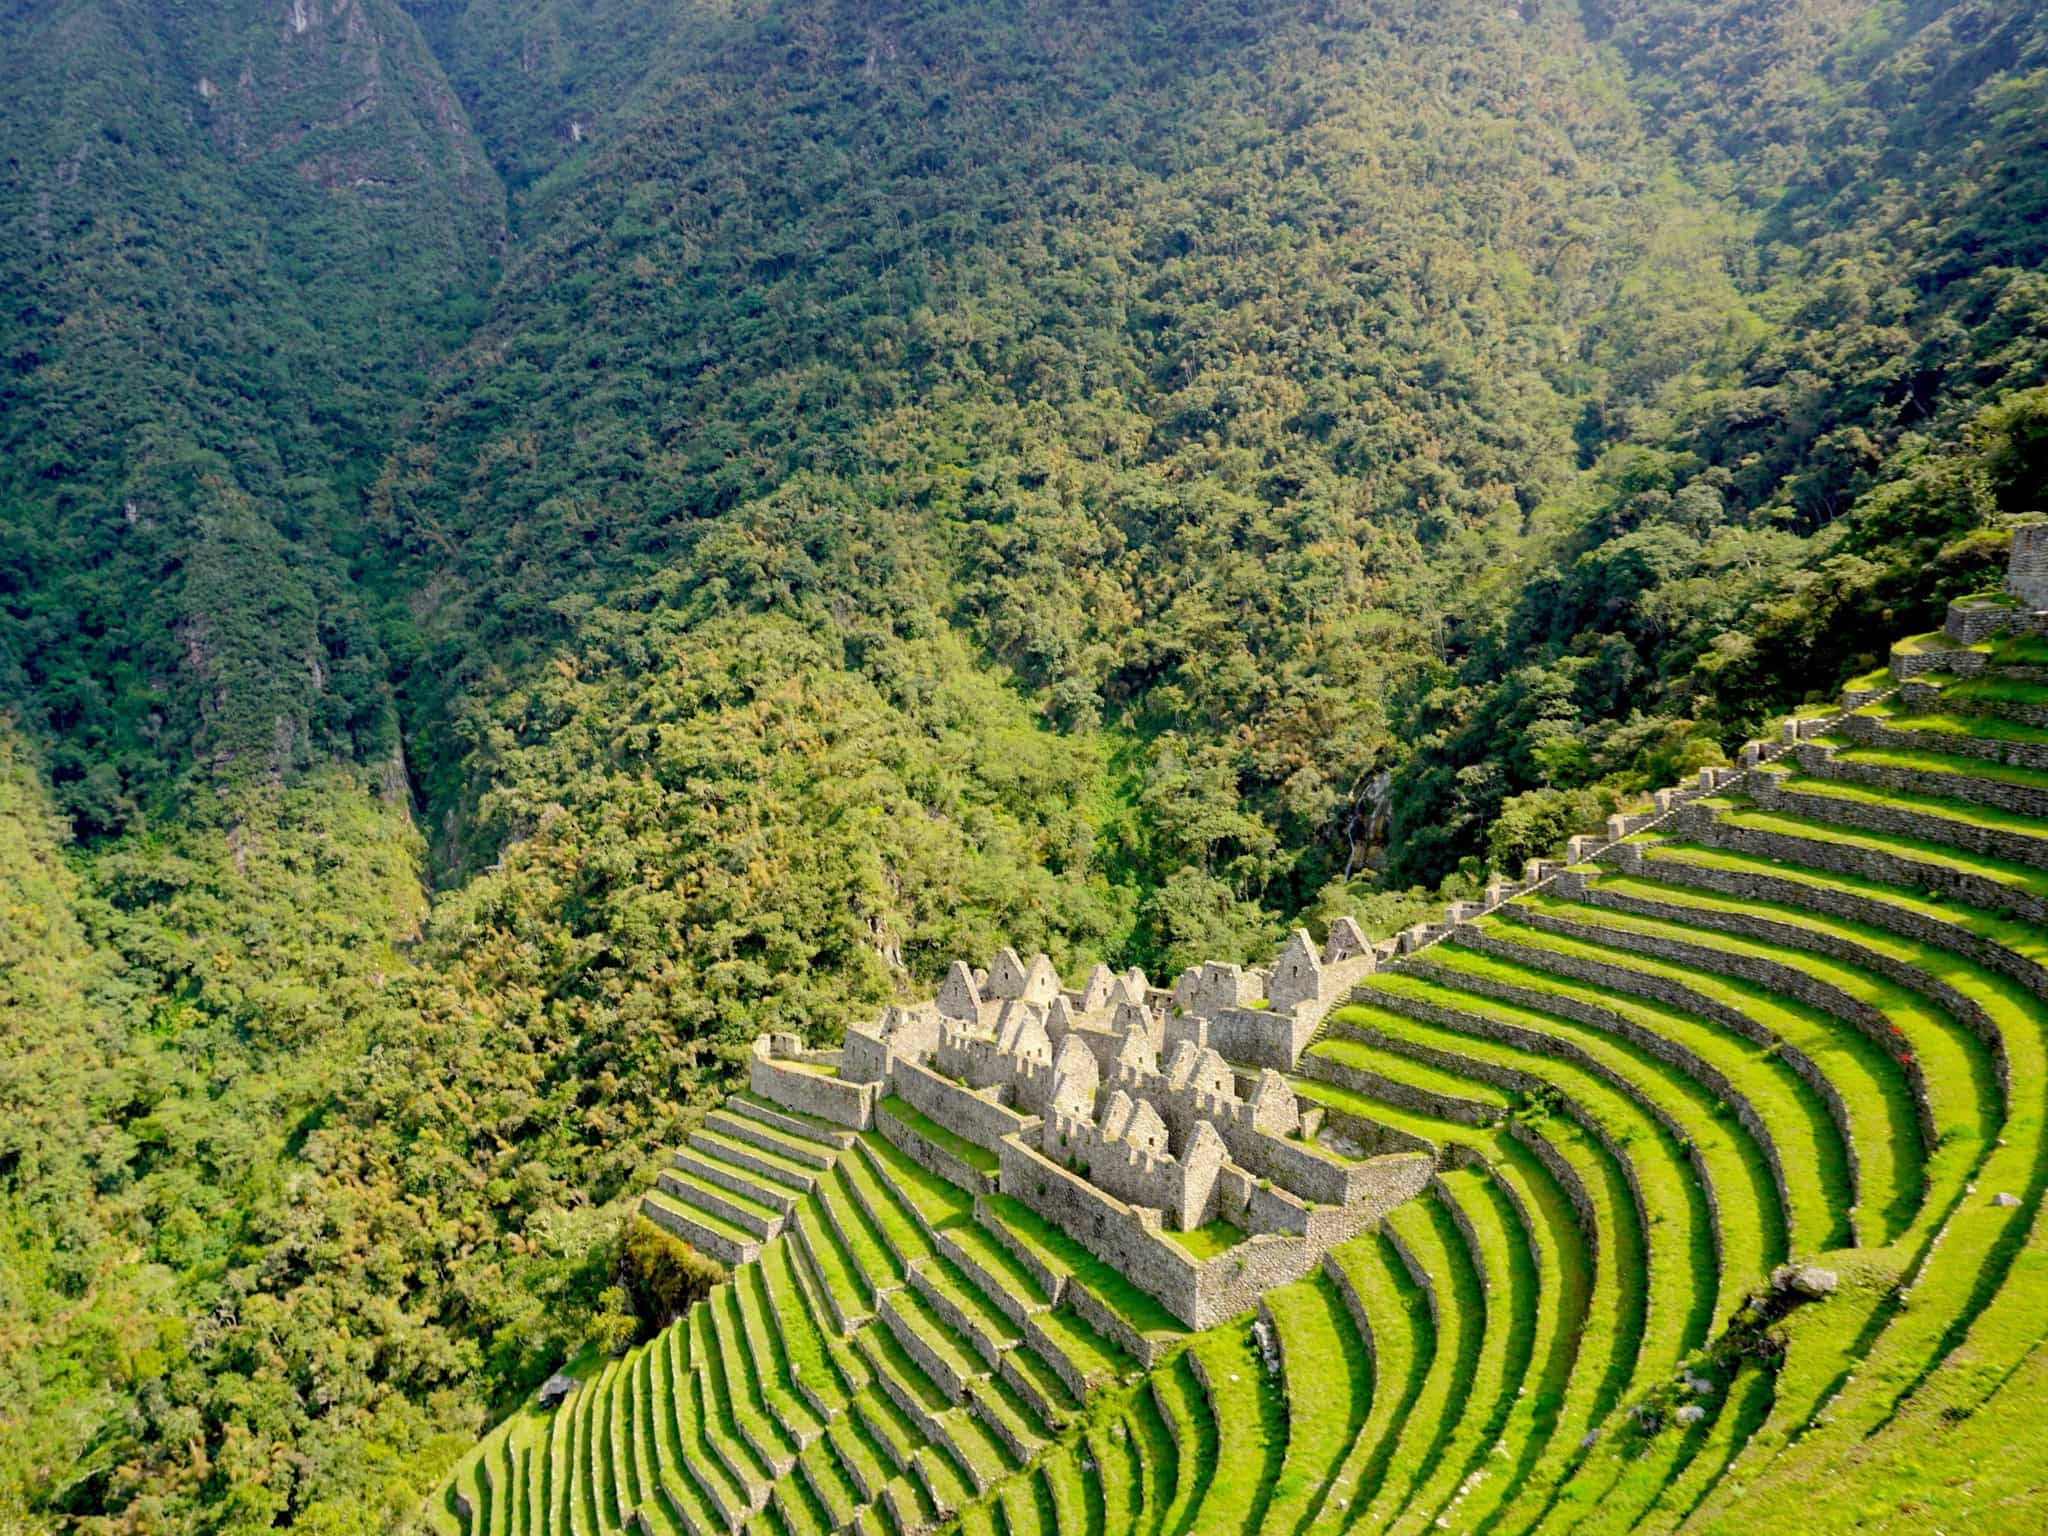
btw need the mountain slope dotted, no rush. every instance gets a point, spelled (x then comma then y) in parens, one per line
(236, 236)
(889, 480)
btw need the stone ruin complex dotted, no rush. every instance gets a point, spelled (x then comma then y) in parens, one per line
(1122, 1112)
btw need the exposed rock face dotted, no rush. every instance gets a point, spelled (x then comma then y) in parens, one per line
(1808, 1280)
(556, 1389)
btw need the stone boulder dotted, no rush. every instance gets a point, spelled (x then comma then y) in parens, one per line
(1808, 1280)
(556, 1389)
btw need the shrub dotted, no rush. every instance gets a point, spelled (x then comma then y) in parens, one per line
(663, 1275)
(615, 1326)
(1535, 825)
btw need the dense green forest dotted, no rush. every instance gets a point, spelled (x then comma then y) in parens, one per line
(538, 539)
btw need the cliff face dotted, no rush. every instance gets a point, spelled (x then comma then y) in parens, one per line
(542, 79)
(347, 95)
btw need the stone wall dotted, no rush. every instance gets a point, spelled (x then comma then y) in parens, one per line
(1971, 620)
(1651, 1042)
(728, 1251)
(1107, 1227)
(1869, 730)
(1374, 1137)
(1514, 1079)
(794, 1083)
(1267, 1018)
(1308, 1172)
(1255, 1036)
(1201, 1294)
(1213, 986)
(1559, 1168)
(1418, 1272)
(1881, 865)
(2022, 799)
(1259, 1132)
(866, 1058)
(965, 1113)
(1233, 1281)
(1759, 925)
(1268, 1209)
(1837, 902)
(1899, 820)
(871, 1050)
(931, 1156)
(948, 1380)
(1400, 1094)
(1141, 1175)
(810, 1275)
(1906, 665)
(1764, 973)
(1921, 696)
(2026, 569)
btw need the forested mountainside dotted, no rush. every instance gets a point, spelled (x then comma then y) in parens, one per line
(539, 539)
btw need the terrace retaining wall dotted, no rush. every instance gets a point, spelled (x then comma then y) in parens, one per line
(932, 1156)
(1895, 820)
(1837, 902)
(1763, 973)
(2021, 799)
(960, 1110)
(813, 1093)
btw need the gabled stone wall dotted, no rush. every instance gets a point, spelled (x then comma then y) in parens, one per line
(2026, 570)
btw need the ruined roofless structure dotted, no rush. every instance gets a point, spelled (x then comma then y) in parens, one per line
(1123, 1113)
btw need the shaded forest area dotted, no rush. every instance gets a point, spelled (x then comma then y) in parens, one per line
(540, 539)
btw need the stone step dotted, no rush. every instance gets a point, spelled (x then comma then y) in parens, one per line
(760, 1221)
(743, 1182)
(756, 1132)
